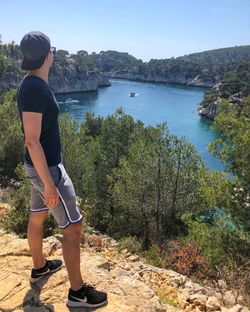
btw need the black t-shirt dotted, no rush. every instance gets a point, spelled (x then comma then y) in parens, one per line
(35, 95)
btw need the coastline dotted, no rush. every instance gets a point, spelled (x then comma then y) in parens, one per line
(171, 84)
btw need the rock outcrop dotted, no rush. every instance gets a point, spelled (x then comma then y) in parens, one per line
(125, 292)
(62, 79)
(132, 285)
(67, 77)
(209, 111)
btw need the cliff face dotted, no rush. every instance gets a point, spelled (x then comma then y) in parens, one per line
(178, 78)
(71, 82)
(62, 79)
(67, 78)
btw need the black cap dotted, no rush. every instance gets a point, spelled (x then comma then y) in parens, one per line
(34, 46)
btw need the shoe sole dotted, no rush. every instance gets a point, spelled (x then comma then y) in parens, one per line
(75, 304)
(36, 279)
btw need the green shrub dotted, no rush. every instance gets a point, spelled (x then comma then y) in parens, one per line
(11, 138)
(17, 219)
(131, 243)
(153, 256)
(220, 240)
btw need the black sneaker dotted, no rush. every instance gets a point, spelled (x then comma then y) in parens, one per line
(51, 266)
(87, 296)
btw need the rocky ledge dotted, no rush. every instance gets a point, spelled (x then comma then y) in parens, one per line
(211, 110)
(132, 284)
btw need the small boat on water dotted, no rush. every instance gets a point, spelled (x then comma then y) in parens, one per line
(70, 100)
(132, 94)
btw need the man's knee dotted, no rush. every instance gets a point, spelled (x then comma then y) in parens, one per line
(38, 218)
(73, 229)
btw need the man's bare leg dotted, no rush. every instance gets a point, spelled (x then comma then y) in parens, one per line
(71, 254)
(35, 237)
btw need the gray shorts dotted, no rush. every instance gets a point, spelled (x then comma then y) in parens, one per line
(67, 211)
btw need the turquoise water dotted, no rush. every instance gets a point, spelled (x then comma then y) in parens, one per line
(153, 103)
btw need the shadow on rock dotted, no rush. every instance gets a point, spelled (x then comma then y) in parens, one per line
(32, 300)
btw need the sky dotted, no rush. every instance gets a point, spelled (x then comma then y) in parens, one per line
(146, 29)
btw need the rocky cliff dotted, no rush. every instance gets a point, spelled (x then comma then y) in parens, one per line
(83, 72)
(131, 283)
(174, 78)
(66, 75)
(203, 69)
(63, 78)
(234, 87)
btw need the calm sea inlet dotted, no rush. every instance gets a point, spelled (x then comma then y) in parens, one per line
(153, 103)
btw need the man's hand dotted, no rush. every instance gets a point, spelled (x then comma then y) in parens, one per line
(51, 196)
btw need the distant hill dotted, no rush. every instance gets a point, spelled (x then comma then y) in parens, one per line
(198, 69)
(204, 69)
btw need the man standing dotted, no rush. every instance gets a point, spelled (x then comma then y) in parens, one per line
(51, 188)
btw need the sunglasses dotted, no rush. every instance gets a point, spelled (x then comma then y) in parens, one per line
(53, 50)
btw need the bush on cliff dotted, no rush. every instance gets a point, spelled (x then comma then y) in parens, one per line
(11, 138)
(17, 219)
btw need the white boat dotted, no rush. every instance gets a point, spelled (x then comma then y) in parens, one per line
(70, 100)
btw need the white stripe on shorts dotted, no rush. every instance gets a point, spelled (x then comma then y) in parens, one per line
(41, 209)
(67, 211)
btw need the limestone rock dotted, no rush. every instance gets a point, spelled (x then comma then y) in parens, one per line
(212, 304)
(222, 284)
(199, 300)
(194, 287)
(183, 299)
(4, 209)
(236, 308)
(229, 298)
(105, 265)
(133, 258)
(137, 265)
(17, 246)
(132, 286)
(50, 245)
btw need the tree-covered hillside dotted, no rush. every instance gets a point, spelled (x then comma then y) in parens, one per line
(198, 69)
(234, 86)
(204, 68)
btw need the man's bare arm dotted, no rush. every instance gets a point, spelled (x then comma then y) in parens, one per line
(32, 129)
